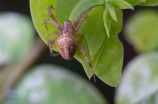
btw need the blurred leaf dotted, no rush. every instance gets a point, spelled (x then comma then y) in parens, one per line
(121, 4)
(134, 2)
(94, 38)
(139, 81)
(149, 3)
(16, 36)
(141, 30)
(49, 84)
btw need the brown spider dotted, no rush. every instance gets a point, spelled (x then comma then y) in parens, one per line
(66, 42)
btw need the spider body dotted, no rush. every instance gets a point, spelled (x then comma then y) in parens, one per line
(67, 45)
(66, 42)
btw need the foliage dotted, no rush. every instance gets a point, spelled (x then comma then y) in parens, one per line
(100, 41)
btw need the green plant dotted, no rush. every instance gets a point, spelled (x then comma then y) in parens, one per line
(100, 40)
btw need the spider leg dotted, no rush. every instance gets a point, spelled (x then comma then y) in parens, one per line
(79, 35)
(52, 42)
(54, 17)
(54, 23)
(86, 57)
(86, 11)
(57, 33)
(81, 23)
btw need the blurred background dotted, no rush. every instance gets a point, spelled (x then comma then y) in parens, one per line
(23, 55)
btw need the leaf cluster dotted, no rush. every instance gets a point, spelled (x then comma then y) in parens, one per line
(100, 31)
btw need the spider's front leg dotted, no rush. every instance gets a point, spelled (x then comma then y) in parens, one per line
(50, 42)
(81, 23)
(83, 13)
(54, 17)
(54, 23)
(87, 59)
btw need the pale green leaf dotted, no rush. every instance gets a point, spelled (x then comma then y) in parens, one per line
(121, 4)
(112, 12)
(107, 22)
(134, 2)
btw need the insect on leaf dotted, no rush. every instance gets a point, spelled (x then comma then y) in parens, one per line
(107, 54)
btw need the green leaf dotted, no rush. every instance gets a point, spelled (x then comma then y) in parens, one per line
(121, 4)
(110, 57)
(81, 6)
(139, 81)
(95, 31)
(149, 3)
(112, 12)
(141, 30)
(134, 2)
(107, 22)
(62, 12)
(50, 84)
(39, 12)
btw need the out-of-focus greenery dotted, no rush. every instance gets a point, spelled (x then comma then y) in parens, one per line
(16, 36)
(141, 30)
(50, 84)
(139, 81)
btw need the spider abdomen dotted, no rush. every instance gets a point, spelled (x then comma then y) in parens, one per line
(67, 46)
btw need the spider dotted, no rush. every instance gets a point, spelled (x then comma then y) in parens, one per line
(66, 42)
